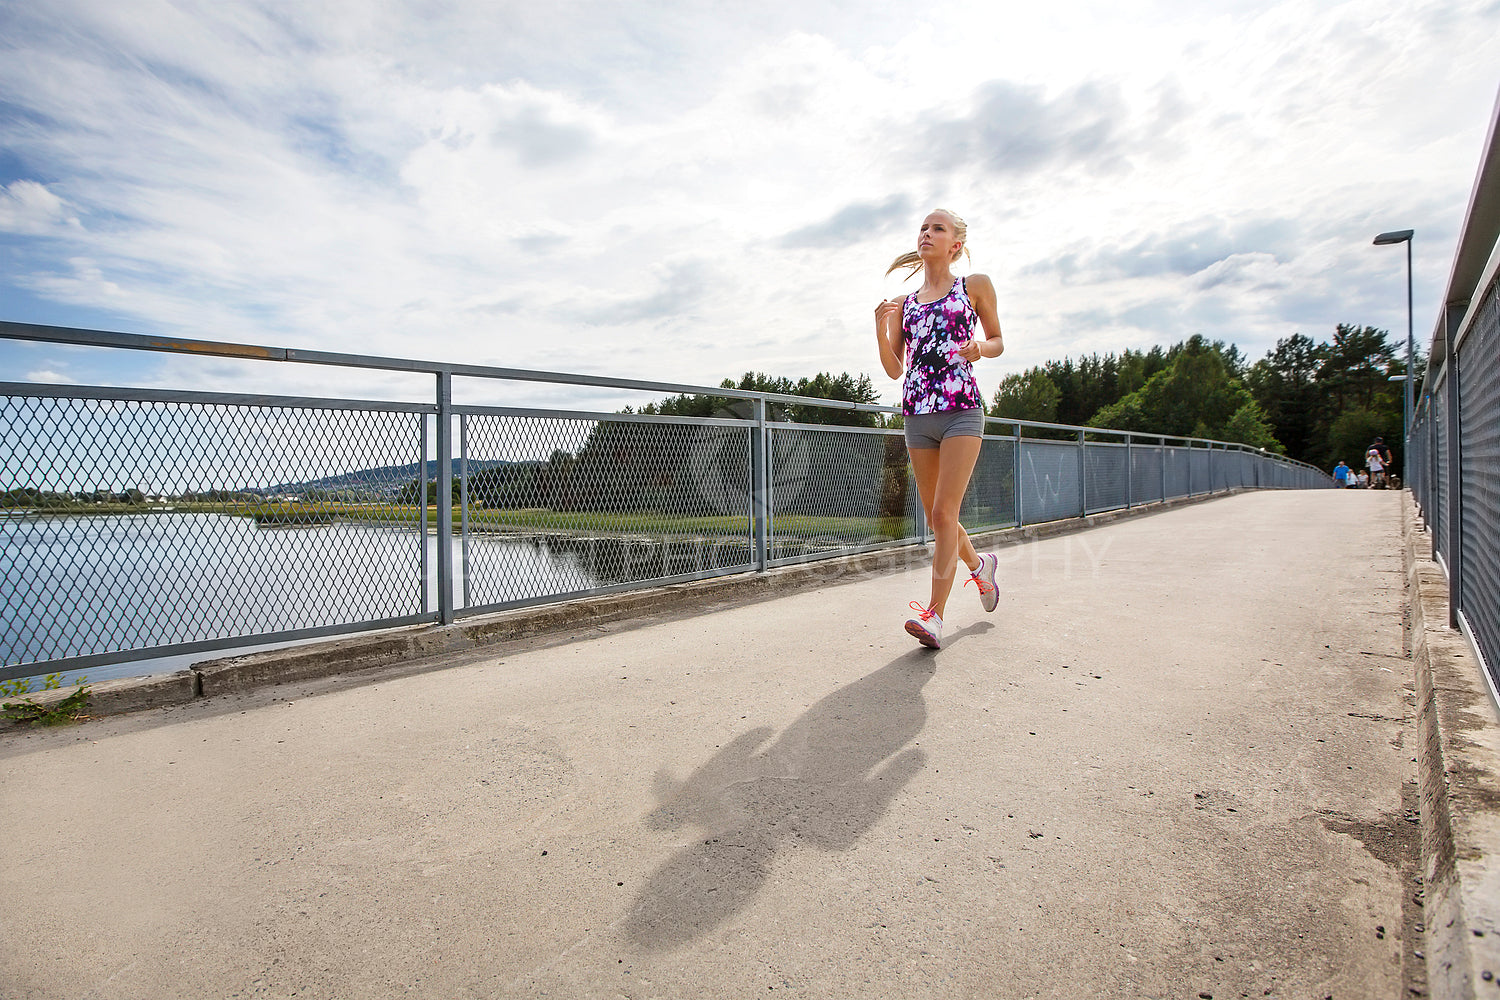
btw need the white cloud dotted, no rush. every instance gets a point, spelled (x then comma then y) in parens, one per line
(28, 208)
(687, 192)
(47, 375)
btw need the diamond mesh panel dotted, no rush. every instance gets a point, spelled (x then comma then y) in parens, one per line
(1440, 488)
(1479, 425)
(990, 501)
(1107, 468)
(1145, 473)
(1227, 465)
(1049, 481)
(1418, 447)
(132, 524)
(1177, 472)
(1245, 465)
(835, 490)
(1198, 457)
(567, 505)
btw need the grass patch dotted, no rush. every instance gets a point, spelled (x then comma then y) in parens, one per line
(32, 712)
(570, 522)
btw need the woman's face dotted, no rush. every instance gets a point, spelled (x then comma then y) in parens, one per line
(936, 240)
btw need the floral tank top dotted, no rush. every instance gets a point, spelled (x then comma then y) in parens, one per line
(936, 378)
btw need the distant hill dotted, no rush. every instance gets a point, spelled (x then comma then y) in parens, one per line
(383, 480)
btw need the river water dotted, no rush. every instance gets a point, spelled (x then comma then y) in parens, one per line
(81, 585)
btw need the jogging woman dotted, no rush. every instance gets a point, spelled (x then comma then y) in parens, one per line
(930, 335)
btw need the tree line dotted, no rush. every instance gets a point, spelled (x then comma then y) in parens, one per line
(1316, 401)
(628, 465)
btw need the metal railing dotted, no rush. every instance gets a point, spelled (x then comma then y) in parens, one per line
(1454, 437)
(140, 523)
(1455, 470)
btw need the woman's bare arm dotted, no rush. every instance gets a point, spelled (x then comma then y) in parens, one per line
(982, 293)
(888, 333)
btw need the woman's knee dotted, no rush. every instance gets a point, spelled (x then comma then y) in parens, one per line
(944, 517)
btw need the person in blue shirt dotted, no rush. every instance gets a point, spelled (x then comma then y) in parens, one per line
(1341, 475)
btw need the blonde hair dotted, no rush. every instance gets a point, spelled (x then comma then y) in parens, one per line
(912, 261)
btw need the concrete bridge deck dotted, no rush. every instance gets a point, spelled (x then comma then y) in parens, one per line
(1178, 761)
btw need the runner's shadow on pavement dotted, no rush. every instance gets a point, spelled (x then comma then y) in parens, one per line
(822, 783)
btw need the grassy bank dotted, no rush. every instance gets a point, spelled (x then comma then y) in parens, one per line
(530, 520)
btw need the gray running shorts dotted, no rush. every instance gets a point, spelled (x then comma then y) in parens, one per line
(927, 430)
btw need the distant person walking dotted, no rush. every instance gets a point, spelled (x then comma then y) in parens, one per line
(930, 336)
(1375, 460)
(1341, 475)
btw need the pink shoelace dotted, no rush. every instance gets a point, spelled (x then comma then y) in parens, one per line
(984, 588)
(922, 613)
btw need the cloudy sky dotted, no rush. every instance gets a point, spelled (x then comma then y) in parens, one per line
(685, 191)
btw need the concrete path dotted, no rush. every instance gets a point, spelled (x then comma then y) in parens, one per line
(1171, 764)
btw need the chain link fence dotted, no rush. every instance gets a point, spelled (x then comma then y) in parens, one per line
(1454, 471)
(140, 523)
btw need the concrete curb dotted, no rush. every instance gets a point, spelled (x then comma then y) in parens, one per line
(1458, 771)
(358, 653)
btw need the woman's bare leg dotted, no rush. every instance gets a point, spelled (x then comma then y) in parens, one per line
(942, 476)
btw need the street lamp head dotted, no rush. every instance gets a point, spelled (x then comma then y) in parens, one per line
(1399, 236)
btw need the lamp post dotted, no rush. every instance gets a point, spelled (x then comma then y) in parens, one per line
(1386, 239)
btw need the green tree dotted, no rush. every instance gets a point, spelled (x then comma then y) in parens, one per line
(1322, 398)
(1194, 396)
(1285, 384)
(1136, 367)
(1356, 366)
(507, 485)
(824, 385)
(1028, 395)
(408, 494)
(1084, 387)
(1249, 426)
(1353, 430)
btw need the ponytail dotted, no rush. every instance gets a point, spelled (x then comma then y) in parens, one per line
(911, 260)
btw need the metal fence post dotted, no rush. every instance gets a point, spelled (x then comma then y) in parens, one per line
(760, 484)
(1432, 472)
(918, 512)
(1083, 477)
(463, 498)
(1129, 474)
(421, 501)
(1163, 443)
(1453, 315)
(444, 497)
(1016, 474)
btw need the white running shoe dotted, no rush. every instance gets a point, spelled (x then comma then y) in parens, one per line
(984, 578)
(926, 627)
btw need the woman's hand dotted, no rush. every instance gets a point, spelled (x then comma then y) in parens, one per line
(969, 352)
(884, 312)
